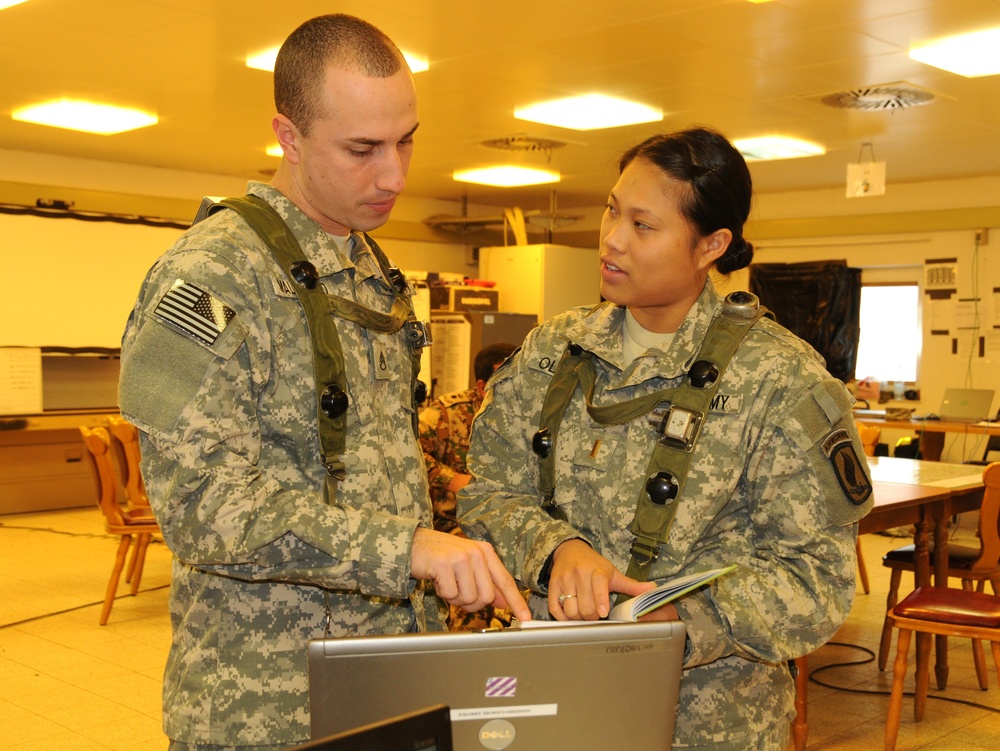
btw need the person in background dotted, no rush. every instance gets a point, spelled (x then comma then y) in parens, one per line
(295, 509)
(775, 481)
(445, 425)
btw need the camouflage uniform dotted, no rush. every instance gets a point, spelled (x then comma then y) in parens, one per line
(761, 493)
(445, 425)
(263, 560)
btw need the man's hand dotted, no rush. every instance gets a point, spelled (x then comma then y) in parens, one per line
(586, 579)
(467, 573)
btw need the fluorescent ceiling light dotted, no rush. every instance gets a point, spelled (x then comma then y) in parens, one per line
(758, 2)
(589, 112)
(274, 150)
(264, 60)
(10, 3)
(506, 176)
(970, 55)
(768, 148)
(89, 117)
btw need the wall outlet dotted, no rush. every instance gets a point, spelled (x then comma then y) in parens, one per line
(982, 236)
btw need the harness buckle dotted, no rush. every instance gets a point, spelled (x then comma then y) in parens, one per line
(418, 333)
(645, 553)
(679, 426)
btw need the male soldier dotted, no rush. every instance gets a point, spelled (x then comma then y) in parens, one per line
(445, 426)
(278, 443)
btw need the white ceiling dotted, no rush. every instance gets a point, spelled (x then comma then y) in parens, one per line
(743, 68)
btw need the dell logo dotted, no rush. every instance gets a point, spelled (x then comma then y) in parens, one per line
(496, 735)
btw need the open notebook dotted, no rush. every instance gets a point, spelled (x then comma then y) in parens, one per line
(610, 686)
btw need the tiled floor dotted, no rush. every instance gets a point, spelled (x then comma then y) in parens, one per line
(68, 683)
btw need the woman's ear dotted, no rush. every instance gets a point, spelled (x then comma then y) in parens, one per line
(713, 246)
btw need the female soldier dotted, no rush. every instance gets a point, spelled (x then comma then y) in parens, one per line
(682, 433)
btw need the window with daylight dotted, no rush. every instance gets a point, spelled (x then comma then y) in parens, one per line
(890, 342)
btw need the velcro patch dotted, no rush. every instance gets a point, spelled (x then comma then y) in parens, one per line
(730, 404)
(544, 364)
(194, 311)
(283, 287)
(853, 479)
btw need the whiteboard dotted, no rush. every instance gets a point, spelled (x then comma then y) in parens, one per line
(72, 283)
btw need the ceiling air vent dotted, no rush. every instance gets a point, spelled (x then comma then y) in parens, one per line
(886, 96)
(523, 143)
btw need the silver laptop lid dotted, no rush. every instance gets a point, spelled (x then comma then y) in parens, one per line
(966, 404)
(576, 687)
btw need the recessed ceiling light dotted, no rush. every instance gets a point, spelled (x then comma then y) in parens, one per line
(10, 3)
(589, 112)
(767, 148)
(506, 176)
(264, 60)
(89, 117)
(970, 55)
(274, 150)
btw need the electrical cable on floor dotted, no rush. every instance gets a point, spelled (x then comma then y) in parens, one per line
(4, 525)
(871, 658)
(78, 607)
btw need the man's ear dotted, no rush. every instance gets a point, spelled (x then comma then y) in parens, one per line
(288, 137)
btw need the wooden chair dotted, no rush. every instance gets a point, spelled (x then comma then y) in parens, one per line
(126, 435)
(970, 564)
(869, 441)
(940, 611)
(122, 520)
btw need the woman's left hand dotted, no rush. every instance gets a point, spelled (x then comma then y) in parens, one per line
(582, 581)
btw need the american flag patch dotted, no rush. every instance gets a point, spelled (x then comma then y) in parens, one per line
(193, 310)
(501, 686)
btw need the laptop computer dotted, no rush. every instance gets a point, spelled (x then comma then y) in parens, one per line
(972, 405)
(589, 688)
(424, 730)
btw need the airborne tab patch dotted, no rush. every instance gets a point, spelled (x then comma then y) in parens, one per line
(851, 475)
(194, 311)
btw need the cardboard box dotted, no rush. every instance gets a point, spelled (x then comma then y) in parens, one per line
(455, 297)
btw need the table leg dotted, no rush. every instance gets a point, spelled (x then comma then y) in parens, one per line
(941, 512)
(800, 725)
(922, 572)
(931, 445)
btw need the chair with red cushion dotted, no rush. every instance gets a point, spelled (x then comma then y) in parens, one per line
(940, 611)
(973, 565)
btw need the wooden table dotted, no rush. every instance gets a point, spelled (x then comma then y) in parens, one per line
(917, 492)
(932, 432)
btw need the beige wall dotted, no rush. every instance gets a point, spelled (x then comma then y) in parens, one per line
(52, 272)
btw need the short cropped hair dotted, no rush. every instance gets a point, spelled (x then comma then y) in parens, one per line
(339, 39)
(489, 358)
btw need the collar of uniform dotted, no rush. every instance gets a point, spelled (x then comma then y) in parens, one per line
(601, 332)
(319, 250)
(365, 263)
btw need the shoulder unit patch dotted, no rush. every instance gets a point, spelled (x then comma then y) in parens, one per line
(846, 464)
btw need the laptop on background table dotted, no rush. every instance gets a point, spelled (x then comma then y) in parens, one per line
(587, 688)
(966, 405)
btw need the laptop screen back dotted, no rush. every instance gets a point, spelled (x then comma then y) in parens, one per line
(587, 688)
(966, 404)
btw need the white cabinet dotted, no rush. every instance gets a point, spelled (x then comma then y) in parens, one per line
(542, 279)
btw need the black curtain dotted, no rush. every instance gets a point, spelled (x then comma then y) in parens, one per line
(819, 302)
